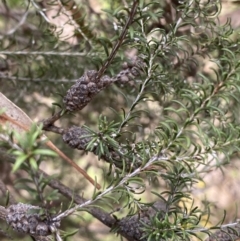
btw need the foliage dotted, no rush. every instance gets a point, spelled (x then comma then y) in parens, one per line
(157, 133)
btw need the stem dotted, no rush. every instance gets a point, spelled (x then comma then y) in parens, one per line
(108, 190)
(120, 40)
(47, 53)
(50, 121)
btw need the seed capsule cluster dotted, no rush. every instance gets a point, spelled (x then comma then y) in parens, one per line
(82, 92)
(225, 235)
(25, 218)
(129, 72)
(132, 226)
(74, 137)
(85, 88)
(78, 138)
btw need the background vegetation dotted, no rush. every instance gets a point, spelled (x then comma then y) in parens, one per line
(158, 130)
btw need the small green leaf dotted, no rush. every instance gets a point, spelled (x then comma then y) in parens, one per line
(19, 162)
(33, 164)
(44, 152)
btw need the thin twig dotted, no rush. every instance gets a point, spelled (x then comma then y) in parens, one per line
(6, 6)
(47, 53)
(108, 190)
(6, 77)
(50, 121)
(40, 11)
(120, 40)
(54, 129)
(20, 23)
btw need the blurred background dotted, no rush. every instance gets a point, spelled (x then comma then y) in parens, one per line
(44, 47)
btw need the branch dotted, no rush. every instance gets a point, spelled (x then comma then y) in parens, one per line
(51, 120)
(40, 11)
(6, 77)
(45, 53)
(108, 190)
(120, 40)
